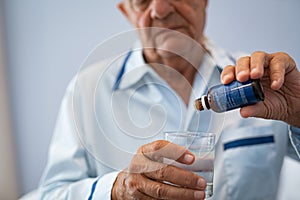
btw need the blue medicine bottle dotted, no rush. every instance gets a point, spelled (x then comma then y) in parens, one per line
(221, 98)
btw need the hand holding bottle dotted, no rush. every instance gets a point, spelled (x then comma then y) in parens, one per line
(281, 82)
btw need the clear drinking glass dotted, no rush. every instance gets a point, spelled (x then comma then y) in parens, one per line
(201, 144)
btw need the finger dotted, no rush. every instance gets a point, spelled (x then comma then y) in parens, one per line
(257, 110)
(158, 150)
(259, 60)
(152, 161)
(279, 65)
(242, 69)
(178, 176)
(277, 72)
(228, 74)
(133, 183)
(139, 195)
(136, 194)
(159, 190)
(142, 164)
(126, 187)
(163, 172)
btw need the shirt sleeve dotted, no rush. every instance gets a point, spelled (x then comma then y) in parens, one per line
(104, 186)
(294, 135)
(70, 172)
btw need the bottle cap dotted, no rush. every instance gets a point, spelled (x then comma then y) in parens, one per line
(202, 103)
(198, 104)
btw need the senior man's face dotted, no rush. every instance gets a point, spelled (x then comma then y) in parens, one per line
(184, 16)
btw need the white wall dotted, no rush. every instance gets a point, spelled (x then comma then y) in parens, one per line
(47, 41)
(269, 25)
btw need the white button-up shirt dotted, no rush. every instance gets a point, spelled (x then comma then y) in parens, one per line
(113, 107)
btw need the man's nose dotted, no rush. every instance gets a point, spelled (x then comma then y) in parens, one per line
(161, 8)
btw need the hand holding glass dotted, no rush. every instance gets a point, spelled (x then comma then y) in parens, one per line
(201, 144)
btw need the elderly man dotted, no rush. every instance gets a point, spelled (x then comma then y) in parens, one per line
(104, 118)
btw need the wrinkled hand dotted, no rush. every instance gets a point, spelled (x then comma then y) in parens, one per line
(147, 176)
(281, 82)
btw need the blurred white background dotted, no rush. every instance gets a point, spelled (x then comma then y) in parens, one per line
(44, 43)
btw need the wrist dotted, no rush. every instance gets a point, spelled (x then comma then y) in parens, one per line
(114, 190)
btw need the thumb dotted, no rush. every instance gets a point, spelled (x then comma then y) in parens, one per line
(258, 110)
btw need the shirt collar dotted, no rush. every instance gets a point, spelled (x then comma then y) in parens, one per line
(132, 70)
(134, 67)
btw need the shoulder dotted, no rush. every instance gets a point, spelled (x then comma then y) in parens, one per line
(221, 56)
(89, 76)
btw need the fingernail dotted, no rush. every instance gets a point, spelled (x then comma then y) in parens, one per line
(225, 78)
(242, 73)
(255, 71)
(188, 158)
(199, 195)
(275, 85)
(201, 184)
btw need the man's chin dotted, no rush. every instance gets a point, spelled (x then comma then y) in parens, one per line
(166, 54)
(173, 47)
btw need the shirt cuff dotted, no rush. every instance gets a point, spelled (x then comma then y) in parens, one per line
(294, 134)
(104, 186)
